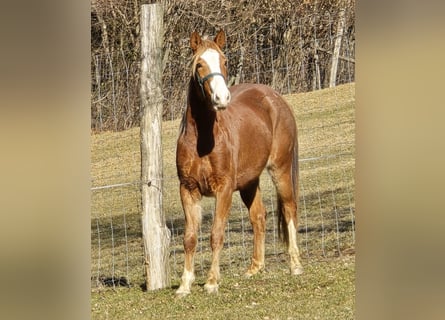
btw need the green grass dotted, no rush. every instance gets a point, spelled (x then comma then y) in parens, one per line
(326, 126)
(324, 291)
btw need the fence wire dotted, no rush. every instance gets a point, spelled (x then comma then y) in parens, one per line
(326, 206)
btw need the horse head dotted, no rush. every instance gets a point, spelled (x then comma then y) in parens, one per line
(209, 69)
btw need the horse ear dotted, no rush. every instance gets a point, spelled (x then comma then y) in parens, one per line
(220, 39)
(195, 41)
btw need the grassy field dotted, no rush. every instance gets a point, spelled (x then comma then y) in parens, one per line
(326, 290)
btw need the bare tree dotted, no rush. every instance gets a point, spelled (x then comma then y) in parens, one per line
(280, 35)
(337, 45)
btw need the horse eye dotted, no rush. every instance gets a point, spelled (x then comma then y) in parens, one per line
(198, 66)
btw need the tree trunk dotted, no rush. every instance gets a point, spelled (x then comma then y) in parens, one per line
(337, 45)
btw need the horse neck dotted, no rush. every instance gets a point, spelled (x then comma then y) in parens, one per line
(199, 113)
(200, 119)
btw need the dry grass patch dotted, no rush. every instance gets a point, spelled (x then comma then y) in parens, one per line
(326, 126)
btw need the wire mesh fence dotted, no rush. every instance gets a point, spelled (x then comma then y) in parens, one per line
(326, 125)
(290, 51)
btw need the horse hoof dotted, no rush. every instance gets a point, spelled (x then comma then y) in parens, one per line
(181, 293)
(297, 271)
(250, 273)
(254, 270)
(211, 288)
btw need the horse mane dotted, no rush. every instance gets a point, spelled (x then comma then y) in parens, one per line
(205, 44)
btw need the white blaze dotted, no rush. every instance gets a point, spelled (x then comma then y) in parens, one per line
(219, 92)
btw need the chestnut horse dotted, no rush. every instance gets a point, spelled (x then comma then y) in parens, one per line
(227, 137)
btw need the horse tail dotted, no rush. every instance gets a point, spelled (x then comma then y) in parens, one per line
(283, 230)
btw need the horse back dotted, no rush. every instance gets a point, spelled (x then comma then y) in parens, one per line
(261, 109)
(266, 128)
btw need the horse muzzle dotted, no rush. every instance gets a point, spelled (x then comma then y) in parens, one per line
(220, 94)
(221, 101)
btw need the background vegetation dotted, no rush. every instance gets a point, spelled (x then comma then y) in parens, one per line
(287, 44)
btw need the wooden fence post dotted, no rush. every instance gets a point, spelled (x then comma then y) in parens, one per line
(155, 233)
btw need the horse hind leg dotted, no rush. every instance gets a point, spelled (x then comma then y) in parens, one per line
(287, 215)
(296, 267)
(251, 197)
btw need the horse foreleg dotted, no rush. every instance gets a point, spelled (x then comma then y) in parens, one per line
(251, 197)
(192, 212)
(223, 202)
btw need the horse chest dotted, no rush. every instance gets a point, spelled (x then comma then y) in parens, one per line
(203, 174)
